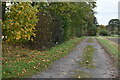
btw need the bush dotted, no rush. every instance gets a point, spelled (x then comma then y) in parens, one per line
(104, 32)
(20, 21)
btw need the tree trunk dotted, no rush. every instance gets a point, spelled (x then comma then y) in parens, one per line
(3, 10)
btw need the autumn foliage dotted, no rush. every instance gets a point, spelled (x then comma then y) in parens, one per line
(20, 23)
(103, 31)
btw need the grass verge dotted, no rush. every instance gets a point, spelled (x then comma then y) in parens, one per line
(111, 48)
(110, 36)
(18, 62)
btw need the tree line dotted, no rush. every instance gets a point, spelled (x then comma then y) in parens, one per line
(112, 28)
(43, 25)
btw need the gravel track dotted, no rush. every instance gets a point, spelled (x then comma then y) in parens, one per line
(64, 67)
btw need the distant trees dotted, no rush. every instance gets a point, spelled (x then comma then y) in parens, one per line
(114, 26)
(103, 31)
(114, 23)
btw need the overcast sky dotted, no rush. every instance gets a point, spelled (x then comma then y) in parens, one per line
(106, 10)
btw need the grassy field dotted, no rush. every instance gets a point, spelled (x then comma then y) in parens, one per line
(111, 48)
(23, 63)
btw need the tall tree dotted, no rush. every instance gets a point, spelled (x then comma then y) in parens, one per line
(114, 23)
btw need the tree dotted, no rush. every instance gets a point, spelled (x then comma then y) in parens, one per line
(114, 23)
(102, 30)
(20, 23)
(3, 10)
(102, 27)
(92, 31)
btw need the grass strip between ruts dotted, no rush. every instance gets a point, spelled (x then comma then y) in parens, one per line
(86, 62)
(87, 57)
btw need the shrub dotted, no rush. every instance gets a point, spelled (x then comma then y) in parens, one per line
(104, 32)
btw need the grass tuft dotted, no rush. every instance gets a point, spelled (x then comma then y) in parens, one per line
(87, 57)
(90, 40)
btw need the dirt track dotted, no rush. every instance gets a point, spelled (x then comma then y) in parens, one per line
(64, 68)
